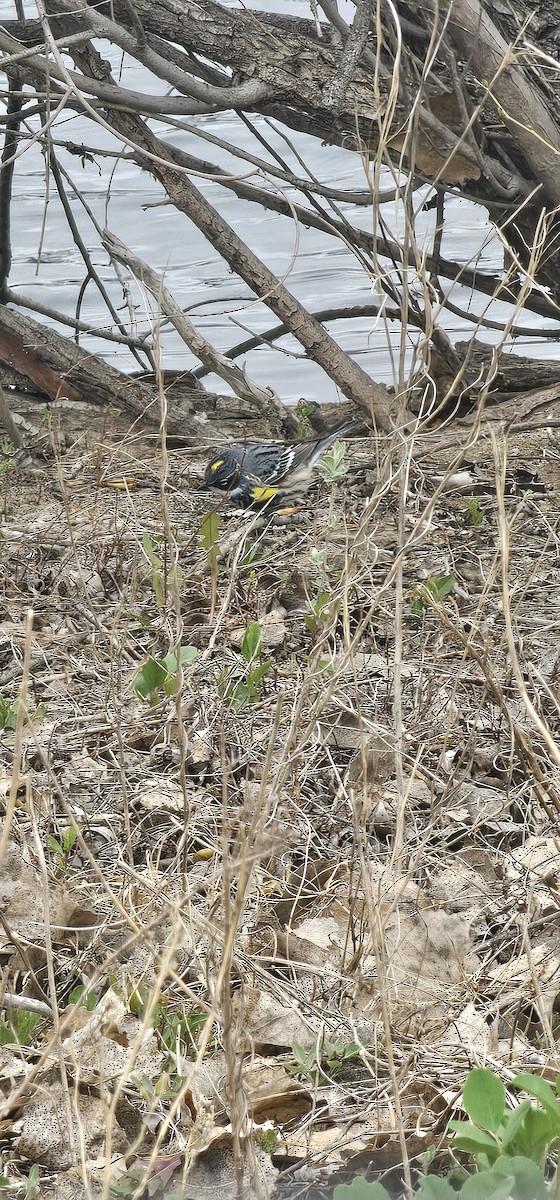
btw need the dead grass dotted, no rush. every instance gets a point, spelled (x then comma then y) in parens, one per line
(365, 852)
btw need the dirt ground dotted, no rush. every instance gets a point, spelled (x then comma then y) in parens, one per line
(312, 878)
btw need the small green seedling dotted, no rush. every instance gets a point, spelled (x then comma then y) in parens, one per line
(9, 713)
(177, 1030)
(5, 1180)
(476, 514)
(156, 564)
(434, 590)
(239, 692)
(63, 847)
(25, 1186)
(303, 412)
(268, 1141)
(333, 466)
(161, 675)
(248, 559)
(510, 1147)
(321, 611)
(8, 463)
(209, 533)
(32, 1185)
(159, 569)
(323, 1059)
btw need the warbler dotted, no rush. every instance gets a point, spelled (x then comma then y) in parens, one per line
(269, 473)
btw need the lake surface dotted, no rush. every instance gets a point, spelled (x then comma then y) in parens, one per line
(317, 269)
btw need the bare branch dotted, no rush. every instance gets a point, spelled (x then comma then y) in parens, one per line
(197, 344)
(6, 179)
(248, 94)
(335, 94)
(205, 93)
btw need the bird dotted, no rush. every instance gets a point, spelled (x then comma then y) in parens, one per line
(267, 473)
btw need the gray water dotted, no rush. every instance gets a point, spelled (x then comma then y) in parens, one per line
(317, 269)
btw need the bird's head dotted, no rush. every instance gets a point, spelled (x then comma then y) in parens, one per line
(223, 471)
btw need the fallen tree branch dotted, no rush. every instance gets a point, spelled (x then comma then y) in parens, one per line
(60, 369)
(198, 345)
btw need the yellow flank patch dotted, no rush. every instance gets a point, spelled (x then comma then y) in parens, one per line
(218, 463)
(260, 494)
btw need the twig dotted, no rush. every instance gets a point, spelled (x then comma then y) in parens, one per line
(13, 1000)
(8, 422)
(15, 100)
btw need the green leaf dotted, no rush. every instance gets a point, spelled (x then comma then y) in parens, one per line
(542, 1091)
(484, 1098)
(209, 533)
(151, 676)
(471, 1138)
(148, 548)
(251, 641)
(333, 466)
(257, 673)
(528, 1177)
(209, 529)
(303, 412)
(476, 515)
(187, 654)
(76, 994)
(350, 1051)
(300, 1055)
(537, 1132)
(434, 1188)
(440, 586)
(482, 1153)
(485, 1185)
(22, 1024)
(268, 1141)
(321, 603)
(69, 838)
(248, 560)
(32, 1183)
(360, 1189)
(513, 1124)
(9, 713)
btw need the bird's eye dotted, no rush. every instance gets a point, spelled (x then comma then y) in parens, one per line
(218, 463)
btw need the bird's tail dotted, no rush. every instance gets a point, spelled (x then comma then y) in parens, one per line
(321, 444)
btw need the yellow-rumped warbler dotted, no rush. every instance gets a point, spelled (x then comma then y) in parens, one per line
(269, 472)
